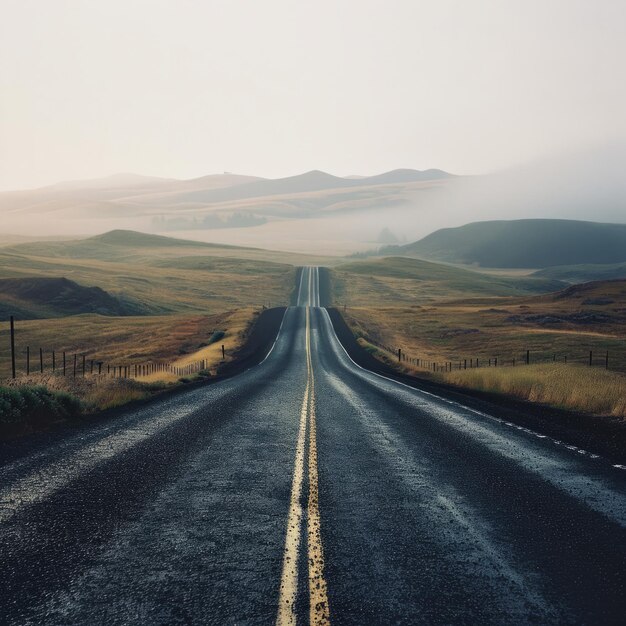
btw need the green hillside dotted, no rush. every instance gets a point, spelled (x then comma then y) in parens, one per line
(584, 273)
(394, 279)
(532, 243)
(37, 297)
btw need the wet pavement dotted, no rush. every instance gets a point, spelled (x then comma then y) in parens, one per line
(403, 507)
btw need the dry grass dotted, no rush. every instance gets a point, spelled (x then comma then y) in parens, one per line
(574, 387)
(99, 392)
(210, 287)
(564, 325)
(454, 333)
(177, 339)
(94, 392)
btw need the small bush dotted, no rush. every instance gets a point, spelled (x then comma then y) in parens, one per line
(23, 404)
(216, 336)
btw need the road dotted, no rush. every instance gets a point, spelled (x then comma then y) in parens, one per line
(308, 490)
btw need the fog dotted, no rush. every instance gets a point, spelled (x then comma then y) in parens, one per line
(586, 184)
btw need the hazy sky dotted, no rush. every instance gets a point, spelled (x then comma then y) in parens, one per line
(276, 87)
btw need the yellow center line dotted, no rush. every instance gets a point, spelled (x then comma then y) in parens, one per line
(318, 598)
(289, 576)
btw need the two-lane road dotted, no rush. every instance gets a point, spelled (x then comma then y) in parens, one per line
(308, 490)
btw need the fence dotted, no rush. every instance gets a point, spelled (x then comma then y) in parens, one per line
(77, 365)
(525, 358)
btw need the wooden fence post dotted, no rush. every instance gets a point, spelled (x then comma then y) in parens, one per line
(27, 360)
(12, 323)
(40, 360)
(590, 358)
(64, 364)
(527, 357)
(606, 362)
(74, 365)
(54, 361)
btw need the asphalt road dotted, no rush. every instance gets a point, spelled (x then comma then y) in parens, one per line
(308, 490)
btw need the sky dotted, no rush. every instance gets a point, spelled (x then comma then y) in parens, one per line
(184, 88)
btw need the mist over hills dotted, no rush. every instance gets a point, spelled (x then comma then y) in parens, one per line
(532, 243)
(251, 210)
(318, 213)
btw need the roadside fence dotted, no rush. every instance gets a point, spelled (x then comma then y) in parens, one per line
(82, 364)
(591, 358)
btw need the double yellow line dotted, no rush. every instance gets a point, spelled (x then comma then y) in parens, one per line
(318, 596)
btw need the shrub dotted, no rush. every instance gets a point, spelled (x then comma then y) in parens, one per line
(216, 336)
(24, 404)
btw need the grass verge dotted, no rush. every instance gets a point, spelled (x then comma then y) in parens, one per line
(572, 387)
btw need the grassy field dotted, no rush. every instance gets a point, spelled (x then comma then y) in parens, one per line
(398, 281)
(574, 387)
(162, 278)
(177, 340)
(431, 320)
(188, 293)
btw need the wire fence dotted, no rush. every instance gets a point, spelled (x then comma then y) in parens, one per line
(598, 358)
(82, 364)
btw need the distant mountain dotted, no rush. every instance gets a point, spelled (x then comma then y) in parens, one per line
(404, 176)
(584, 273)
(533, 243)
(39, 297)
(312, 181)
(115, 181)
(216, 181)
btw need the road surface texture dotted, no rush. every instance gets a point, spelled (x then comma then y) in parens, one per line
(309, 490)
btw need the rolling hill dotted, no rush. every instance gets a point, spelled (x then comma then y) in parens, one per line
(531, 243)
(398, 280)
(583, 273)
(308, 182)
(40, 297)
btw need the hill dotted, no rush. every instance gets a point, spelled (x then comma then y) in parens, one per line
(396, 280)
(142, 240)
(583, 273)
(404, 176)
(312, 181)
(37, 297)
(531, 243)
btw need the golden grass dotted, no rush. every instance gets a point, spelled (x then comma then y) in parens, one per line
(562, 326)
(573, 387)
(454, 332)
(94, 392)
(231, 284)
(178, 339)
